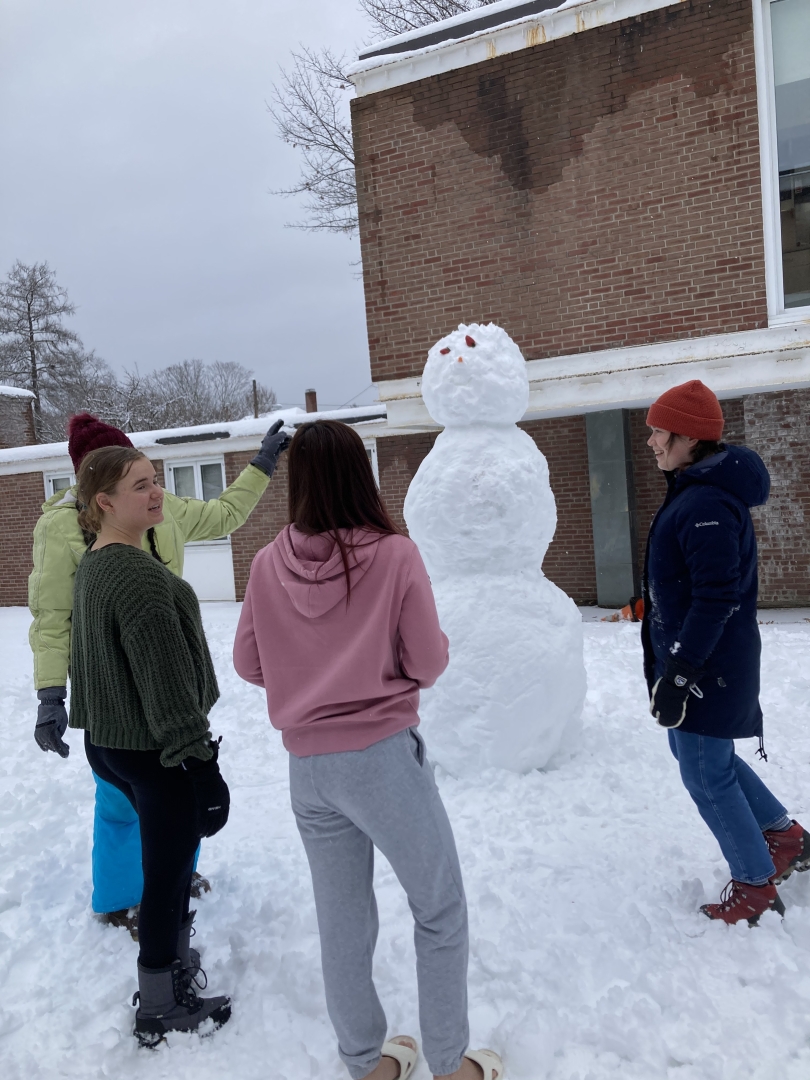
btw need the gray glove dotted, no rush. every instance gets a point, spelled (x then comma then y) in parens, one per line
(52, 720)
(273, 446)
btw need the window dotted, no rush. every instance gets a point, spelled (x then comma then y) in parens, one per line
(790, 37)
(371, 450)
(58, 482)
(197, 479)
(782, 39)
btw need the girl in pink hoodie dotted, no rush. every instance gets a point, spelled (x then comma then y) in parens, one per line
(339, 626)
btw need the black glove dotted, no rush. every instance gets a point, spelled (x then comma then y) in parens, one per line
(273, 446)
(52, 720)
(670, 695)
(210, 792)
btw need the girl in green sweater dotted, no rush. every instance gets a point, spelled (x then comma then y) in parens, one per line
(142, 684)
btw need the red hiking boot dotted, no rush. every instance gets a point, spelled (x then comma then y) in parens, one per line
(740, 901)
(790, 850)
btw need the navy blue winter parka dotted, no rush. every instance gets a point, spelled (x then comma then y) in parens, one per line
(700, 590)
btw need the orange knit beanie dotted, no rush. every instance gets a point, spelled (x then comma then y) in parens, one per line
(690, 409)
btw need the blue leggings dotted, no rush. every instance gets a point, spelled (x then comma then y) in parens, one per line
(117, 865)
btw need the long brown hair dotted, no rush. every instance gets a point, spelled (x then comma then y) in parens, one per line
(100, 472)
(332, 486)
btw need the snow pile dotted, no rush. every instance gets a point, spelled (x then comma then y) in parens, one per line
(483, 514)
(589, 959)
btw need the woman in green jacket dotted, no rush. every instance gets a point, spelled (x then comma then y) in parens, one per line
(59, 544)
(142, 685)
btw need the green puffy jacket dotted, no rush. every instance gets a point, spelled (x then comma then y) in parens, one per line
(59, 546)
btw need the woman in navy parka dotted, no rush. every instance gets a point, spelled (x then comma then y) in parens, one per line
(702, 646)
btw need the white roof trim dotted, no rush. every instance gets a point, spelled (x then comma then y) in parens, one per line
(378, 73)
(242, 435)
(753, 361)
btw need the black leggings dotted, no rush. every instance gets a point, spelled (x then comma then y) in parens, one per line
(164, 801)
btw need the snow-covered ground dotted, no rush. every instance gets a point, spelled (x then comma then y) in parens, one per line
(589, 959)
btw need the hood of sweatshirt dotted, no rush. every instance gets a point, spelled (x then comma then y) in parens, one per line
(310, 568)
(735, 469)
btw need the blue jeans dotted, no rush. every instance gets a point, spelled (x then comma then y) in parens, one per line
(117, 861)
(732, 800)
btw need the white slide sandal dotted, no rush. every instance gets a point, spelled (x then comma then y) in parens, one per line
(405, 1055)
(489, 1061)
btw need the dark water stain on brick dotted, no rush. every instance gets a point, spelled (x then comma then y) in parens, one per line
(533, 109)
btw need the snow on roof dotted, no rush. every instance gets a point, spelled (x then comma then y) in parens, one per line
(483, 34)
(247, 428)
(14, 391)
(460, 26)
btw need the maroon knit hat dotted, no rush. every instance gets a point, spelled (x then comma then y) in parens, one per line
(690, 409)
(86, 432)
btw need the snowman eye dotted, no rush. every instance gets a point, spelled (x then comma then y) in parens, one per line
(470, 341)
(444, 352)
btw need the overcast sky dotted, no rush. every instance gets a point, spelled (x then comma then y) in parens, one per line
(138, 159)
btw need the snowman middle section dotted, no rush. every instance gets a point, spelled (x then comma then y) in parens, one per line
(482, 512)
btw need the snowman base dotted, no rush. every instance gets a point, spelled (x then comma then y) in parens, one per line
(513, 699)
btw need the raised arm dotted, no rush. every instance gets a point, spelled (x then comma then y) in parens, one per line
(219, 517)
(423, 647)
(200, 520)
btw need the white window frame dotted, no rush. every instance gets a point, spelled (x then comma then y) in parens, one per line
(181, 463)
(778, 314)
(49, 478)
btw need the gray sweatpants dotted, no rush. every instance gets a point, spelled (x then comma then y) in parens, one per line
(346, 804)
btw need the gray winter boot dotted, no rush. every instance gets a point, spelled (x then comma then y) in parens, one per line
(168, 1002)
(188, 957)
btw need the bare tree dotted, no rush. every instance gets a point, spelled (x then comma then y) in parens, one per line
(310, 107)
(34, 342)
(189, 393)
(83, 381)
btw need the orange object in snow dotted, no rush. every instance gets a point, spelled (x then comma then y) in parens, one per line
(634, 611)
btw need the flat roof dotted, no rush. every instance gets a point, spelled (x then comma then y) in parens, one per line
(485, 34)
(470, 22)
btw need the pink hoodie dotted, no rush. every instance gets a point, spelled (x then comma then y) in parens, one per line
(339, 678)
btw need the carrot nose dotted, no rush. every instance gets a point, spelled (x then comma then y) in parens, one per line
(461, 360)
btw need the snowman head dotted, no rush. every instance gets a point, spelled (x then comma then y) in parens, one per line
(476, 375)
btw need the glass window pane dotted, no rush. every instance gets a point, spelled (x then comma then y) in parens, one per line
(184, 485)
(212, 485)
(790, 27)
(61, 483)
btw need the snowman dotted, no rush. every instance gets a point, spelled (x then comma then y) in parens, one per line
(482, 513)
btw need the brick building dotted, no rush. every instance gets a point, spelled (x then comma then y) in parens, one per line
(624, 186)
(195, 462)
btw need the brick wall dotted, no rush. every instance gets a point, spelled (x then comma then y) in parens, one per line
(398, 458)
(16, 421)
(777, 426)
(570, 561)
(21, 499)
(266, 521)
(597, 191)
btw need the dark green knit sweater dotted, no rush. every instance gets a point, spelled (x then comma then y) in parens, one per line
(141, 676)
